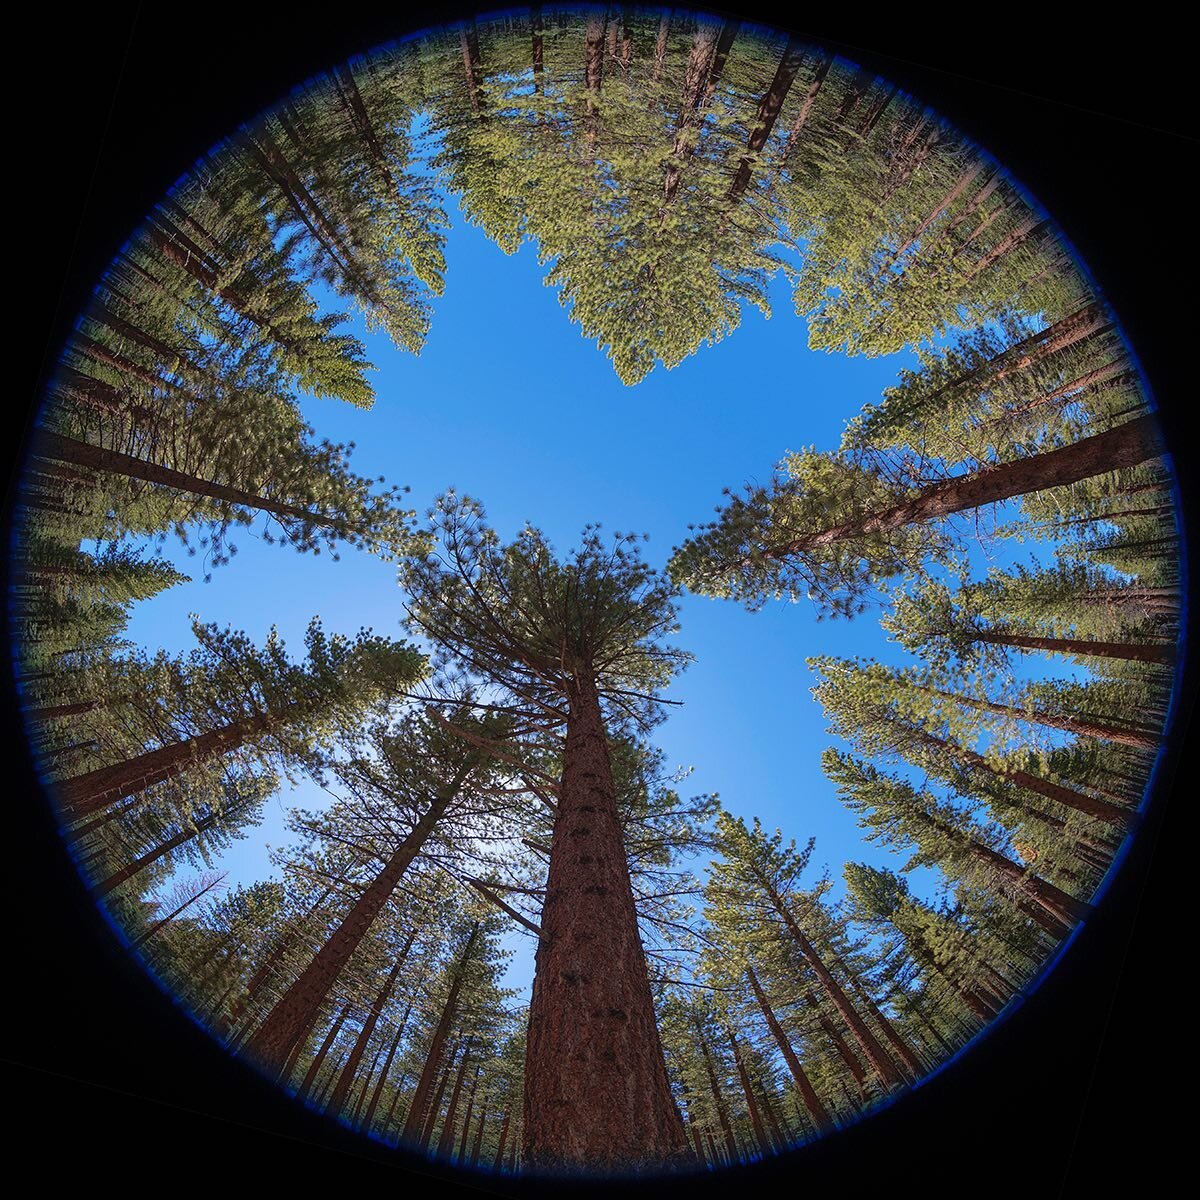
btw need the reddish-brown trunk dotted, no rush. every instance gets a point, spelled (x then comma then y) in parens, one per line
(470, 1109)
(160, 851)
(310, 1076)
(756, 1122)
(342, 1089)
(596, 1089)
(288, 1019)
(85, 454)
(446, 1139)
(1147, 652)
(878, 1057)
(960, 185)
(498, 1161)
(415, 1120)
(840, 1044)
(84, 795)
(806, 107)
(369, 1115)
(536, 28)
(768, 114)
(1127, 445)
(435, 1106)
(812, 1102)
(731, 1149)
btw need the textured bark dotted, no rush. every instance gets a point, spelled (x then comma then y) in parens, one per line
(876, 1054)
(660, 44)
(812, 1102)
(903, 1051)
(85, 454)
(479, 1127)
(286, 1021)
(1127, 445)
(1162, 653)
(768, 114)
(498, 1161)
(960, 185)
(806, 107)
(446, 1140)
(596, 1090)
(756, 1122)
(415, 1120)
(731, 1149)
(310, 1076)
(435, 1105)
(84, 795)
(341, 1090)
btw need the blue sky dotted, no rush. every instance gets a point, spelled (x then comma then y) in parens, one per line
(508, 403)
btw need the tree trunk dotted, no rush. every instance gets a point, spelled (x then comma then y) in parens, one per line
(310, 1076)
(840, 1044)
(84, 795)
(446, 1140)
(342, 1089)
(878, 1057)
(287, 1020)
(722, 1112)
(1127, 445)
(435, 1105)
(596, 1089)
(369, 1115)
(760, 1133)
(812, 1102)
(498, 1161)
(768, 114)
(415, 1120)
(1162, 653)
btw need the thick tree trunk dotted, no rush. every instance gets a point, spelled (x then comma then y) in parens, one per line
(85, 454)
(288, 1019)
(810, 98)
(596, 1090)
(1127, 445)
(812, 1102)
(415, 1120)
(342, 1089)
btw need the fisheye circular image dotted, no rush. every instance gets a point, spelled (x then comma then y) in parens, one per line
(597, 593)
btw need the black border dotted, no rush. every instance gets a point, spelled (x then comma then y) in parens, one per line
(111, 1084)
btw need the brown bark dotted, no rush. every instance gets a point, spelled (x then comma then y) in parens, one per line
(435, 1105)
(731, 1149)
(160, 851)
(660, 44)
(153, 929)
(1147, 652)
(756, 1122)
(961, 184)
(1127, 445)
(878, 1057)
(341, 1090)
(287, 1020)
(898, 1044)
(84, 795)
(479, 1127)
(806, 107)
(416, 1115)
(812, 1102)
(596, 1089)
(67, 449)
(310, 1076)
(369, 1115)
(63, 710)
(768, 114)
(840, 1044)
(446, 1139)
(505, 1122)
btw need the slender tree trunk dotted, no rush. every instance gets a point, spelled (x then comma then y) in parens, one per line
(768, 114)
(1162, 653)
(277, 1034)
(84, 795)
(812, 1102)
(840, 1044)
(446, 1140)
(468, 1113)
(338, 1099)
(718, 1098)
(596, 1089)
(161, 851)
(897, 1043)
(369, 1115)
(416, 1115)
(66, 449)
(756, 1122)
(498, 1161)
(1127, 445)
(153, 929)
(536, 28)
(875, 1053)
(314, 1067)
(479, 1127)
(435, 1106)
